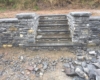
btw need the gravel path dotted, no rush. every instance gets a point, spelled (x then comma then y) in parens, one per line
(17, 64)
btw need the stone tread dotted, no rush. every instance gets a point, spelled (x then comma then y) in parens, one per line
(50, 44)
(53, 30)
(58, 36)
(53, 25)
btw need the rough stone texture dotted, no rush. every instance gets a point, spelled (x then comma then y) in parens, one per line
(28, 23)
(87, 69)
(95, 28)
(22, 30)
(79, 26)
(18, 31)
(8, 31)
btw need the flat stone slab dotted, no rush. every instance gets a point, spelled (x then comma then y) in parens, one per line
(95, 18)
(25, 15)
(9, 20)
(80, 14)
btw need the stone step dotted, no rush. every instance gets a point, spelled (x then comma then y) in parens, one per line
(53, 30)
(56, 44)
(49, 36)
(58, 20)
(52, 40)
(53, 22)
(52, 25)
(52, 17)
(54, 33)
(55, 39)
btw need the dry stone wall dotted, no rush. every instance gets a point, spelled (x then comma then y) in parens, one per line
(95, 29)
(85, 30)
(18, 31)
(79, 26)
(8, 31)
(28, 23)
(22, 30)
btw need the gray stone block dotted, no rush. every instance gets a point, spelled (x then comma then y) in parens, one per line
(80, 14)
(94, 18)
(9, 20)
(25, 15)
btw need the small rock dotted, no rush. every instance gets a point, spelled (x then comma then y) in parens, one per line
(36, 69)
(78, 78)
(66, 65)
(40, 66)
(41, 74)
(70, 72)
(23, 72)
(81, 58)
(62, 70)
(84, 64)
(77, 62)
(27, 72)
(54, 63)
(61, 59)
(97, 73)
(94, 60)
(91, 67)
(70, 59)
(1, 56)
(45, 65)
(21, 58)
(30, 68)
(81, 73)
(92, 53)
(97, 64)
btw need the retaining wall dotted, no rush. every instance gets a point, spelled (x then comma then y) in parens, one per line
(18, 31)
(21, 31)
(84, 28)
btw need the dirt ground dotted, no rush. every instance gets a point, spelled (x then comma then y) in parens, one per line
(11, 13)
(57, 74)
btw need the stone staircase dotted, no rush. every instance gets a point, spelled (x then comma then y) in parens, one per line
(76, 29)
(53, 32)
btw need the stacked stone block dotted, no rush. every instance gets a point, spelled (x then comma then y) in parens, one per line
(8, 31)
(95, 28)
(22, 30)
(79, 26)
(18, 31)
(28, 23)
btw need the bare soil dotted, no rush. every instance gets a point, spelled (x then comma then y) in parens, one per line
(57, 74)
(11, 13)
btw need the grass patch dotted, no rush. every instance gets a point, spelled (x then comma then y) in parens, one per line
(36, 8)
(2, 9)
(37, 4)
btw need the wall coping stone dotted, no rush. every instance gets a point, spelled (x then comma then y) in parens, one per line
(80, 14)
(9, 20)
(25, 15)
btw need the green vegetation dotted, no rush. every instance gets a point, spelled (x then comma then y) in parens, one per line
(38, 4)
